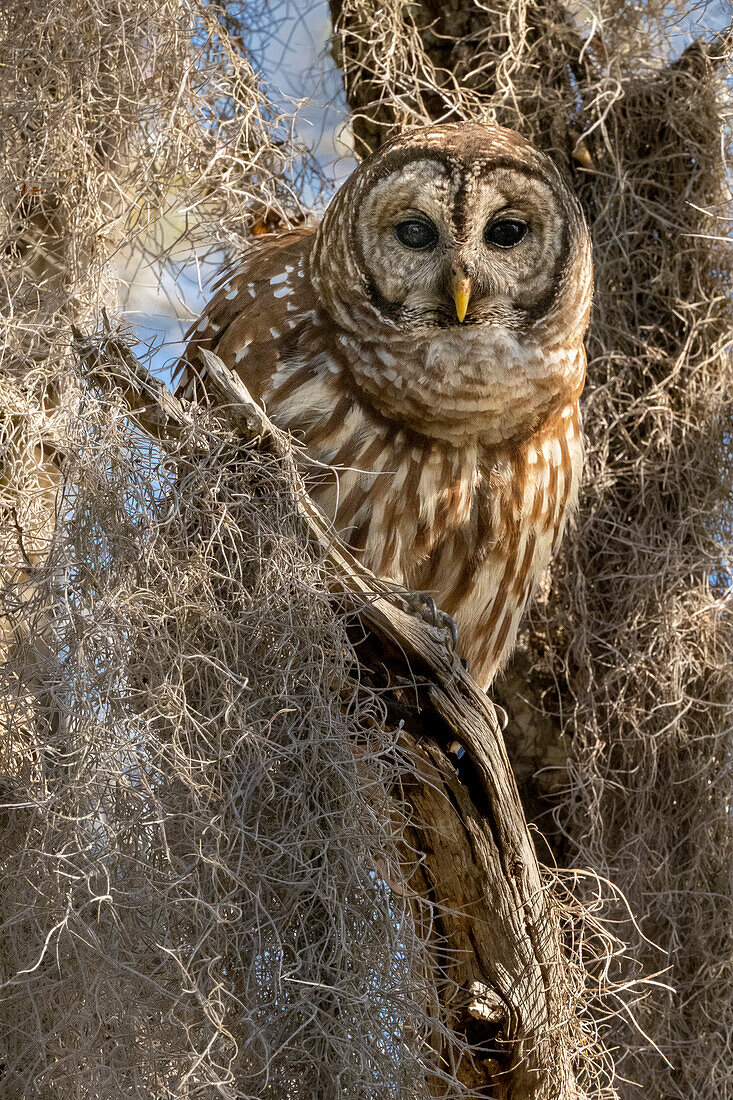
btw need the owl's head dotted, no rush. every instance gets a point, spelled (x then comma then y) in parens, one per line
(455, 225)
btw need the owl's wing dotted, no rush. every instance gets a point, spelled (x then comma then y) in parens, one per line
(248, 320)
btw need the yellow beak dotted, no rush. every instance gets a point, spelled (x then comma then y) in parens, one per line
(460, 288)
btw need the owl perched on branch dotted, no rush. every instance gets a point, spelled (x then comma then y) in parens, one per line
(426, 342)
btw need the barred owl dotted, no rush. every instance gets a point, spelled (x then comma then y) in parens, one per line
(425, 342)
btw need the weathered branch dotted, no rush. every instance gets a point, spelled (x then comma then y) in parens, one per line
(496, 938)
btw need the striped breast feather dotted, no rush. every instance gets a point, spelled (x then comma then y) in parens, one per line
(250, 320)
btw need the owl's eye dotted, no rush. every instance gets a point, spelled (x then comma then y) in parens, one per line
(507, 233)
(417, 234)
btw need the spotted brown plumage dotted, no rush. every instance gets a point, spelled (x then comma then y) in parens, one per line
(454, 445)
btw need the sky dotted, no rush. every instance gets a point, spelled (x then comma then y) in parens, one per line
(298, 71)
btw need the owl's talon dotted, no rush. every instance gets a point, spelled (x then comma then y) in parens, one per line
(450, 625)
(424, 606)
(430, 607)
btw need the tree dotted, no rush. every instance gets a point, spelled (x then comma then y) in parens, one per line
(618, 697)
(220, 803)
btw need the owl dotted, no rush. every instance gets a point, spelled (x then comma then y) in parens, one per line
(425, 343)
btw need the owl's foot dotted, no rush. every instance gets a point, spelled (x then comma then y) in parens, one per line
(424, 607)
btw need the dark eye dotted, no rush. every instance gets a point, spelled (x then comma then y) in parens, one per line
(506, 233)
(416, 233)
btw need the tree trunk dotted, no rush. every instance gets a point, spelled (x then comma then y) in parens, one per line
(619, 693)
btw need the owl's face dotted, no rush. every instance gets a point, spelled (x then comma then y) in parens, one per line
(459, 225)
(435, 255)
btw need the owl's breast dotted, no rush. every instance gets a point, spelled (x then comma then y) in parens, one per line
(402, 497)
(482, 382)
(484, 572)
